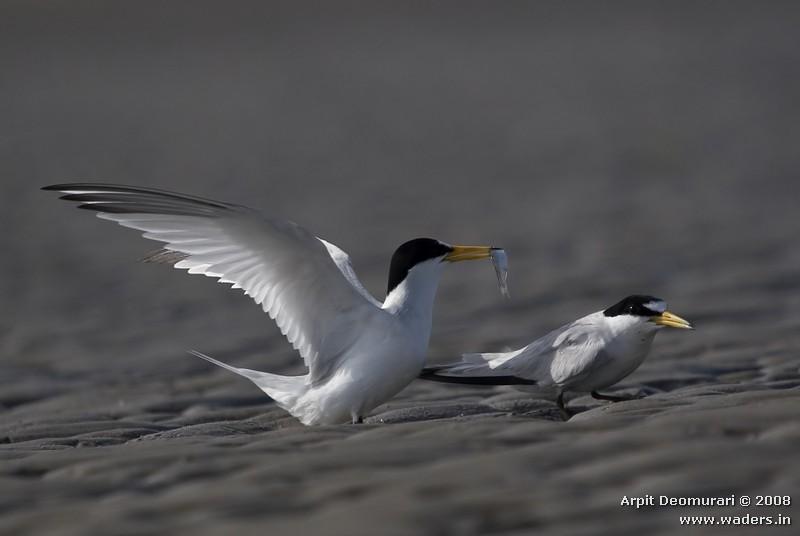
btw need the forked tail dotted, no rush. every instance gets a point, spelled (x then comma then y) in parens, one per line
(285, 390)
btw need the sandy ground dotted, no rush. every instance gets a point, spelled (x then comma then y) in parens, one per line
(643, 147)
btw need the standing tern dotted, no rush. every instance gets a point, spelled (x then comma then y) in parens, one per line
(359, 352)
(591, 353)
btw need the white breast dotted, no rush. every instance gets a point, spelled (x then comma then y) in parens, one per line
(622, 354)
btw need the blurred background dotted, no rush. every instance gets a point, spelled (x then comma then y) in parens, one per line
(611, 147)
(630, 147)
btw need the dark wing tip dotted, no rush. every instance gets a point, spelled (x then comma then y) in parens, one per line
(96, 191)
(431, 374)
(164, 256)
(69, 186)
(427, 371)
(97, 187)
(98, 208)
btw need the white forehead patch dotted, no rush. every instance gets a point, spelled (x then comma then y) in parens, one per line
(657, 306)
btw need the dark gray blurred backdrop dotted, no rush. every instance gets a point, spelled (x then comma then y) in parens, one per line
(612, 147)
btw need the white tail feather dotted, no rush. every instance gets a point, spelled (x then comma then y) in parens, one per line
(247, 373)
(285, 390)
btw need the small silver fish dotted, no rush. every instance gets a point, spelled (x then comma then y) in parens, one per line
(500, 262)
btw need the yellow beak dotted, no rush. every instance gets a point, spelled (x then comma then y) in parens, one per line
(670, 320)
(468, 253)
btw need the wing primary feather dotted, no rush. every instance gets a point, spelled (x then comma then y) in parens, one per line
(79, 188)
(164, 256)
(305, 284)
(140, 208)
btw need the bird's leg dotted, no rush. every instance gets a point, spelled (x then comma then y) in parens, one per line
(358, 419)
(565, 413)
(610, 398)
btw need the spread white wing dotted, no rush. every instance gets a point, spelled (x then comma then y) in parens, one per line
(304, 283)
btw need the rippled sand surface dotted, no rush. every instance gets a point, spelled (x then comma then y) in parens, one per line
(636, 149)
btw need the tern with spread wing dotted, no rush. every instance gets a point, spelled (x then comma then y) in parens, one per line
(359, 352)
(591, 353)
